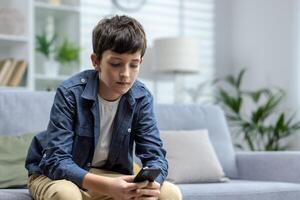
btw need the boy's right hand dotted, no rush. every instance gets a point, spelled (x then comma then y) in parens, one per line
(124, 188)
(121, 187)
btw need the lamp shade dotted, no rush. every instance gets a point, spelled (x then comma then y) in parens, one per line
(177, 55)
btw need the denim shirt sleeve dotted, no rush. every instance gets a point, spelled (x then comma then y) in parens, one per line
(149, 147)
(57, 160)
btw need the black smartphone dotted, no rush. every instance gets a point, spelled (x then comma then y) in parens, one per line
(146, 174)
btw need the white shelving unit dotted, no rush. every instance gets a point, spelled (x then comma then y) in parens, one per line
(66, 26)
(17, 44)
(66, 17)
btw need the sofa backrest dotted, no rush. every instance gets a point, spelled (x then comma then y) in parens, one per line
(28, 112)
(210, 117)
(24, 112)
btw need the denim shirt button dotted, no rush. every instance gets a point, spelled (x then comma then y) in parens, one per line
(82, 80)
(129, 130)
(44, 156)
(88, 165)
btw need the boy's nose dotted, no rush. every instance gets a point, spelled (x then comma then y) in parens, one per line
(125, 71)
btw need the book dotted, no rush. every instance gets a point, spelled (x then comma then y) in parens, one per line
(9, 72)
(6, 63)
(1, 64)
(18, 73)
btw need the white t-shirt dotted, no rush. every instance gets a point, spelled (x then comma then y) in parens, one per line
(108, 111)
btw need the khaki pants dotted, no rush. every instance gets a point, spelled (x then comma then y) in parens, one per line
(43, 188)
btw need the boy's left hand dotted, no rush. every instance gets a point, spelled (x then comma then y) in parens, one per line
(150, 192)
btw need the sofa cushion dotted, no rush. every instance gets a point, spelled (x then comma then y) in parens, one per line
(241, 190)
(191, 157)
(14, 194)
(13, 150)
(210, 117)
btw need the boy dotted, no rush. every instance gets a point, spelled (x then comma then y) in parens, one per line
(87, 150)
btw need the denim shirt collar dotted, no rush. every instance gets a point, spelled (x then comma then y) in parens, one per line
(90, 92)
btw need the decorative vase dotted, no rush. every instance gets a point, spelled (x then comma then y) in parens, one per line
(51, 68)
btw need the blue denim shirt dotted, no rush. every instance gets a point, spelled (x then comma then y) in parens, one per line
(65, 150)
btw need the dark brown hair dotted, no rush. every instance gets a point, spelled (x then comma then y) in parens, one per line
(121, 34)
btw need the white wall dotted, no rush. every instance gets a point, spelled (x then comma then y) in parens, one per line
(223, 37)
(263, 36)
(263, 40)
(297, 47)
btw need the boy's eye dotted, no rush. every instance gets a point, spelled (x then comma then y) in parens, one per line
(115, 64)
(134, 66)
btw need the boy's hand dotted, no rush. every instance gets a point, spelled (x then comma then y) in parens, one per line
(150, 192)
(124, 188)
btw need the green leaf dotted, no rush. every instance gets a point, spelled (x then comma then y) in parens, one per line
(225, 98)
(68, 52)
(249, 140)
(230, 102)
(239, 104)
(256, 95)
(230, 79)
(266, 109)
(232, 117)
(257, 115)
(239, 146)
(280, 123)
(295, 126)
(240, 77)
(44, 45)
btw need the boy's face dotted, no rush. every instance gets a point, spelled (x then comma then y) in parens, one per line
(117, 72)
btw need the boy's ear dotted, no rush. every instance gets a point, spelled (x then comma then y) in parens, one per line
(142, 58)
(95, 62)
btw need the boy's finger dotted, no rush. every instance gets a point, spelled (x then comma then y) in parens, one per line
(148, 192)
(128, 178)
(153, 185)
(142, 184)
(132, 194)
(134, 186)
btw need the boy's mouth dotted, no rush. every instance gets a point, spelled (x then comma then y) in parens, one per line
(123, 83)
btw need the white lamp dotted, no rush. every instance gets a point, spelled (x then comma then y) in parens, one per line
(178, 55)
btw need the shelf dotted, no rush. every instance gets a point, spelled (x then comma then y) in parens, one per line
(10, 88)
(52, 8)
(7, 39)
(56, 78)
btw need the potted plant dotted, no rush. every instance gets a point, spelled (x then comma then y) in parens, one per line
(68, 53)
(264, 127)
(46, 46)
(55, 56)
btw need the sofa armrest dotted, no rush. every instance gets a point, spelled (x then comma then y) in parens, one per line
(269, 166)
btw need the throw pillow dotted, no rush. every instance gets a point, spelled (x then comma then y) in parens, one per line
(13, 152)
(191, 157)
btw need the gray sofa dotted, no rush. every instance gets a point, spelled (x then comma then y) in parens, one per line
(257, 176)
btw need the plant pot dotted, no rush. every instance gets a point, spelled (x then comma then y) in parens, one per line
(51, 68)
